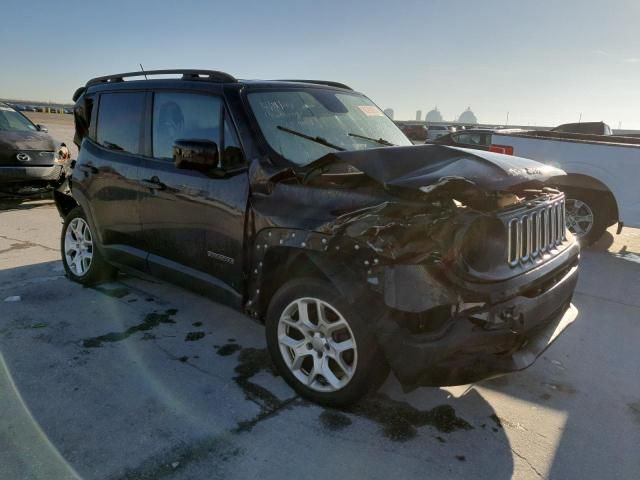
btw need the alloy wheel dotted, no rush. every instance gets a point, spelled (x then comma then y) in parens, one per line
(579, 217)
(317, 344)
(78, 246)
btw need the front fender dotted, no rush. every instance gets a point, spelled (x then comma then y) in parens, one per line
(341, 260)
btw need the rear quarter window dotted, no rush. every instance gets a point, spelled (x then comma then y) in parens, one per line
(470, 138)
(120, 119)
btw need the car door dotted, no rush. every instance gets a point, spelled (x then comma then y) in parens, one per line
(106, 177)
(193, 223)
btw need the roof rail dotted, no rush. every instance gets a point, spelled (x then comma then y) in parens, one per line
(328, 83)
(204, 75)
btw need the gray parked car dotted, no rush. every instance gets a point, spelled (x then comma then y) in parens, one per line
(31, 162)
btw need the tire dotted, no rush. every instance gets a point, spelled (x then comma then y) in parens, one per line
(82, 261)
(586, 205)
(326, 371)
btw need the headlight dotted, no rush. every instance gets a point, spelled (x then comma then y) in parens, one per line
(62, 154)
(484, 244)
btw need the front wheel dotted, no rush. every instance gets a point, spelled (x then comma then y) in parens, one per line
(587, 218)
(81, 259)
(321, 346)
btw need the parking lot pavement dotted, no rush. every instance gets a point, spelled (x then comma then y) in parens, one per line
(140, 379)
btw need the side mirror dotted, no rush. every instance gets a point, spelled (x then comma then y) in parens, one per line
(42, 128)
(201, 155)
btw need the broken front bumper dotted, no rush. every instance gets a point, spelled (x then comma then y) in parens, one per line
(469, 349)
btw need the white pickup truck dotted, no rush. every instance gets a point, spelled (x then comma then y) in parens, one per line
(602, 185)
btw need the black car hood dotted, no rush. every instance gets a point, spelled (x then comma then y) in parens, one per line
(26, 141)
(425, 166)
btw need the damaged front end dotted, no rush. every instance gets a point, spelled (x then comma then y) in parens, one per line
(459, 259)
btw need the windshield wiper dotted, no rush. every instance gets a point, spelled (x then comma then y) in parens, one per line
(319, 140)
(380, 141)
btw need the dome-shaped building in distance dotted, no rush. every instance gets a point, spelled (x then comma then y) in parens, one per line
(468, 117)
(434, 116)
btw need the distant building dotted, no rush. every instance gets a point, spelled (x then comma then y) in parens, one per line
(389, 112)
(468, 117)
(418, 115)
(434, 116)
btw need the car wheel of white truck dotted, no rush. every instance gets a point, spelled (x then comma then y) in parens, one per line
(586, 217)
(321, 345)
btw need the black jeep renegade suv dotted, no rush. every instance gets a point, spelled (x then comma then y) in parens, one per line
(302, 204)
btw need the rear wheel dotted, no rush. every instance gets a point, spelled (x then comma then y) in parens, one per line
(320, 345)
(587, 216)
(81, 259)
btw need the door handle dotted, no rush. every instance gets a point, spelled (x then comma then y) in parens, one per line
(154, 183)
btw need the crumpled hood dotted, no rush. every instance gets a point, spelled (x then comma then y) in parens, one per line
(26, 141)
(430, 165)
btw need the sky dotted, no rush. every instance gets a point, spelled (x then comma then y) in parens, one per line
(543, 62)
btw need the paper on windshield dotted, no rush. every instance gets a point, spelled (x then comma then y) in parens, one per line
(370, 111)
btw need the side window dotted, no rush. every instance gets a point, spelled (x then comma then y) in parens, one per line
(120, 121)
(232, 155)
(84, 116)
(184, 116)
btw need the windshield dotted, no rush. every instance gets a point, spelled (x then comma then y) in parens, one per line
(304, 125)
(12, 121)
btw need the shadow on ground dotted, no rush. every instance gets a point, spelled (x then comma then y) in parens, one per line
(25, 203)
(187, 376)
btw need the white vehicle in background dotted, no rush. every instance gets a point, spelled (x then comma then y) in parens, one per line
(602, 182)
(436, 131)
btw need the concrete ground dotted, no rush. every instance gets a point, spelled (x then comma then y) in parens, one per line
(143, 380)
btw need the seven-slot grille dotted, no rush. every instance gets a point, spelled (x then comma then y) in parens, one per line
(535, 232)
